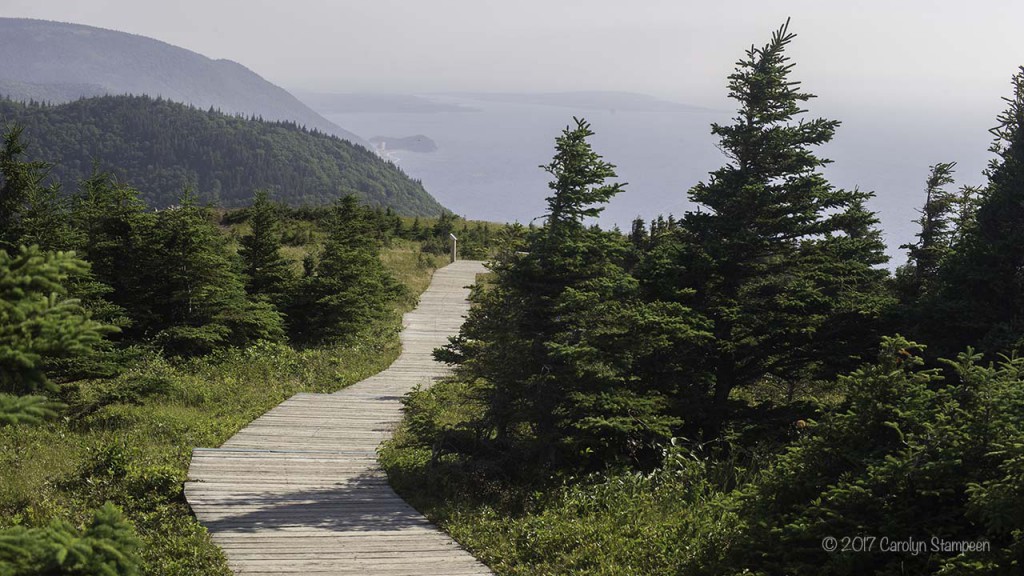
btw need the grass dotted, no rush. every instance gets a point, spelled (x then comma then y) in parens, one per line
(675, 520)
(129, 440)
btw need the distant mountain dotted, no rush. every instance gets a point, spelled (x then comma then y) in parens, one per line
(161, 147)
(60, 62)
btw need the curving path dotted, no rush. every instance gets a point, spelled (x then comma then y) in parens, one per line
(299, 489)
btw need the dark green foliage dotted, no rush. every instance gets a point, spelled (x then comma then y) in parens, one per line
(563, 341)
(108, 214)
(347, 286)
(160, 147)
(267, 273)
(982, 299)
(780, 262)
(106, 547)
(37, 321)
(25, 409)
(19, 179)
(31, 213)
(909, 454)
(935, 239)
(188, 294)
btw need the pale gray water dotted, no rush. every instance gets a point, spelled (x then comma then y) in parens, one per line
(486, 166)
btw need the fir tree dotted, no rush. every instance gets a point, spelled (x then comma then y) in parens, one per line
(935, 238)
(776, 253)
(190, 297)
(108, 215)
(37, 321)
(348, 286)
(575, 364)
(107, 546)
(30, 213)
(982, 300)
(268, 273)
(909, 452)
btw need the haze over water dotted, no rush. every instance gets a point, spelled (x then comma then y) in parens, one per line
(487, 163)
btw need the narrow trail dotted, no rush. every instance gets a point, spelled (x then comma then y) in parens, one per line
(299, 489)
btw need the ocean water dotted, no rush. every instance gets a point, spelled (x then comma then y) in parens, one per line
(487, 162)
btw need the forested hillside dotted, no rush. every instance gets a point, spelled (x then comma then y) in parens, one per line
(61, 62)
(161, 148)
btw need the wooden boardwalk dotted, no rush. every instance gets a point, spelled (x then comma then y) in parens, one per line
(299, 489)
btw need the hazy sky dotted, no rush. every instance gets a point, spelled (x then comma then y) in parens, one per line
(940, 54)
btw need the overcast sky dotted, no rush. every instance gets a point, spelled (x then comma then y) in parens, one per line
(940, 54)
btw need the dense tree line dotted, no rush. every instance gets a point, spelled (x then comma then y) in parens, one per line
(160, 147)
(762, 334)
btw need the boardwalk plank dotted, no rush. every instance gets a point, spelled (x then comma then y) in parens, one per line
(299, 490)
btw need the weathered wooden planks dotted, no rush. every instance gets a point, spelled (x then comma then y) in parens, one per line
(299, 489)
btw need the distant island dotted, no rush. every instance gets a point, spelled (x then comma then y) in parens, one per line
(418, 143)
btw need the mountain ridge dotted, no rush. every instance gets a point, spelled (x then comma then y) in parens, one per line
(46, 60)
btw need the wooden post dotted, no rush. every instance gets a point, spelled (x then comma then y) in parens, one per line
(455, 247)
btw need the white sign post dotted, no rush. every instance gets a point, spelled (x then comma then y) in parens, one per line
(455, 247)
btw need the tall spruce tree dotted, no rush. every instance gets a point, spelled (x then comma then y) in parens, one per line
(31, 213)
(577, 369)
(267, 272)
(18, 181)
(108, 216)
(776, 255)
(347, 286)
(935, 237)
(982, 300)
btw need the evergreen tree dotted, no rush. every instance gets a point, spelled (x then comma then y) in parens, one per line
(779, 260)
(30, 409)
(190, 297)
(935, 238)
(45, 220)
(108, 215)
(267, 272)
(37, 321)
(909, 454)
(30, 213)
(982, 299)
(570, 355)
(18, 178)
(107, 546)
(348, 286)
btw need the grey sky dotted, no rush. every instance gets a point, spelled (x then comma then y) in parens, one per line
(943, 55)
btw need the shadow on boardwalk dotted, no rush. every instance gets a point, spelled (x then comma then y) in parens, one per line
(364, 502)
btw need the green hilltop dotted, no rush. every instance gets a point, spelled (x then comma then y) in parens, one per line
(161, 148)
